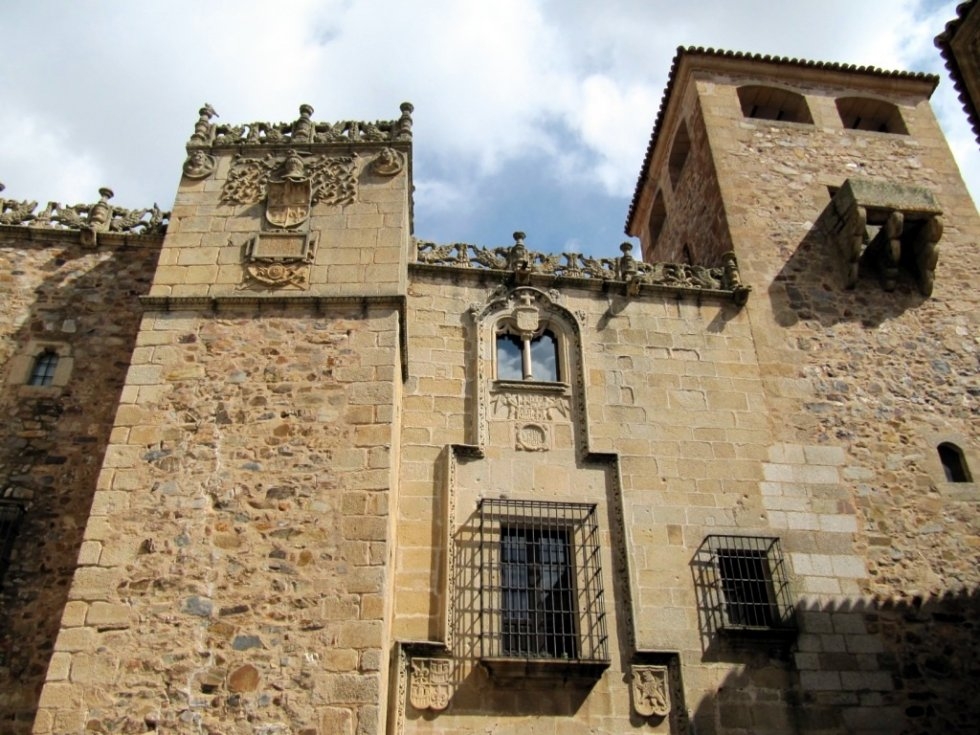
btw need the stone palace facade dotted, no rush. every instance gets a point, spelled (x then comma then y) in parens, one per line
(274, 465)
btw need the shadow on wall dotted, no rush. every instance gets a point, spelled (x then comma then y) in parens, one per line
(86, 301)
(908, 667)
(812, 284)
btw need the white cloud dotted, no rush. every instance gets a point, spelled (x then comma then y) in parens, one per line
(108, 93)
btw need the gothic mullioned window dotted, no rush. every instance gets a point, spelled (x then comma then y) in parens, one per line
(524, 357)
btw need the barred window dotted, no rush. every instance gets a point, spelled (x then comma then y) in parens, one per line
(10, 517)
(746, 585)
(541, 590)
(42, 372)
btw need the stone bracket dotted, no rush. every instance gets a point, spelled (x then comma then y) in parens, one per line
(909, 225)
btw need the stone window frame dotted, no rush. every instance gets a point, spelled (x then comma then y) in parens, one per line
(22, 366)
(533, 651)
(503, 304)
(743, 586)
(953, 461)
(933, 466)
(773, 103)
(870, 115)
(506, 330)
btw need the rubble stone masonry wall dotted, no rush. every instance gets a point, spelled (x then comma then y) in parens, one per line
(83, 304)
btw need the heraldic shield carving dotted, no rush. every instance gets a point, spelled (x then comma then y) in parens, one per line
(431, 683)
(651, 695)
(289, 197)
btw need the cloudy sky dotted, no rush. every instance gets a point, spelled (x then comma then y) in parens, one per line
(529, 114)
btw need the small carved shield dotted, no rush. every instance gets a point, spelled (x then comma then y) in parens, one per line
(431, 686)
(288, 202)
(651, 696)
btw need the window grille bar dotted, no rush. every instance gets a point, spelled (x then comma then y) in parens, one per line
(746, 584)
(543, 596)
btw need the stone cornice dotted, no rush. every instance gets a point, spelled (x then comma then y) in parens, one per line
(521, 266)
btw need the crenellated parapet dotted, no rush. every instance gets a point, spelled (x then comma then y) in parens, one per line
(523, 263)
(302, 131)
(89, 219)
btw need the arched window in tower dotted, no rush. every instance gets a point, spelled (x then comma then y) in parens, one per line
(42, 372)
(773, 103)
(864, 113)
(954, 463)
(520, 357)
(678, 154)
(658, 218)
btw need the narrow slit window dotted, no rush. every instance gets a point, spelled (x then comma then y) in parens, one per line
(954, 463)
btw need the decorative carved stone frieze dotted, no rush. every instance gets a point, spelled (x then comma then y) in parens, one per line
(15, 213)
(909, 225)
(331, 178)
(431, 684)
(199, 165)
(89, 219)
(388, 162)
(650, 691)
(507, 404)
(522, 262)
(303, 130)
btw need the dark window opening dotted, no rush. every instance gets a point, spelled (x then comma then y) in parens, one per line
(537, 613)
(954, 463)
(743, 585)
(658, 218)
(863, 113)
(45, 364)
(746, 583)
(772, 103)
(678, 154)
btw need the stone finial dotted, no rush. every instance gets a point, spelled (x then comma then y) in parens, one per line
(203, 129)
(304, 129)
(517, 259)
(405, 122)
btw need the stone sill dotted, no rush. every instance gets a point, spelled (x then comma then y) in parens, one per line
(508, 671)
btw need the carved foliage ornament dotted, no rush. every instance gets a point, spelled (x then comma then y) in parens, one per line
(523, 262)
(431, 683)
(331, 178)
(90, 219)
(650, 691)
(302, 130)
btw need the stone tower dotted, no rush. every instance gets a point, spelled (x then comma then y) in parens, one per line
(240, 531)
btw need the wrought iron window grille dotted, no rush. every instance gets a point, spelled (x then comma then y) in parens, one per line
(744, 584)
(541, 597)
